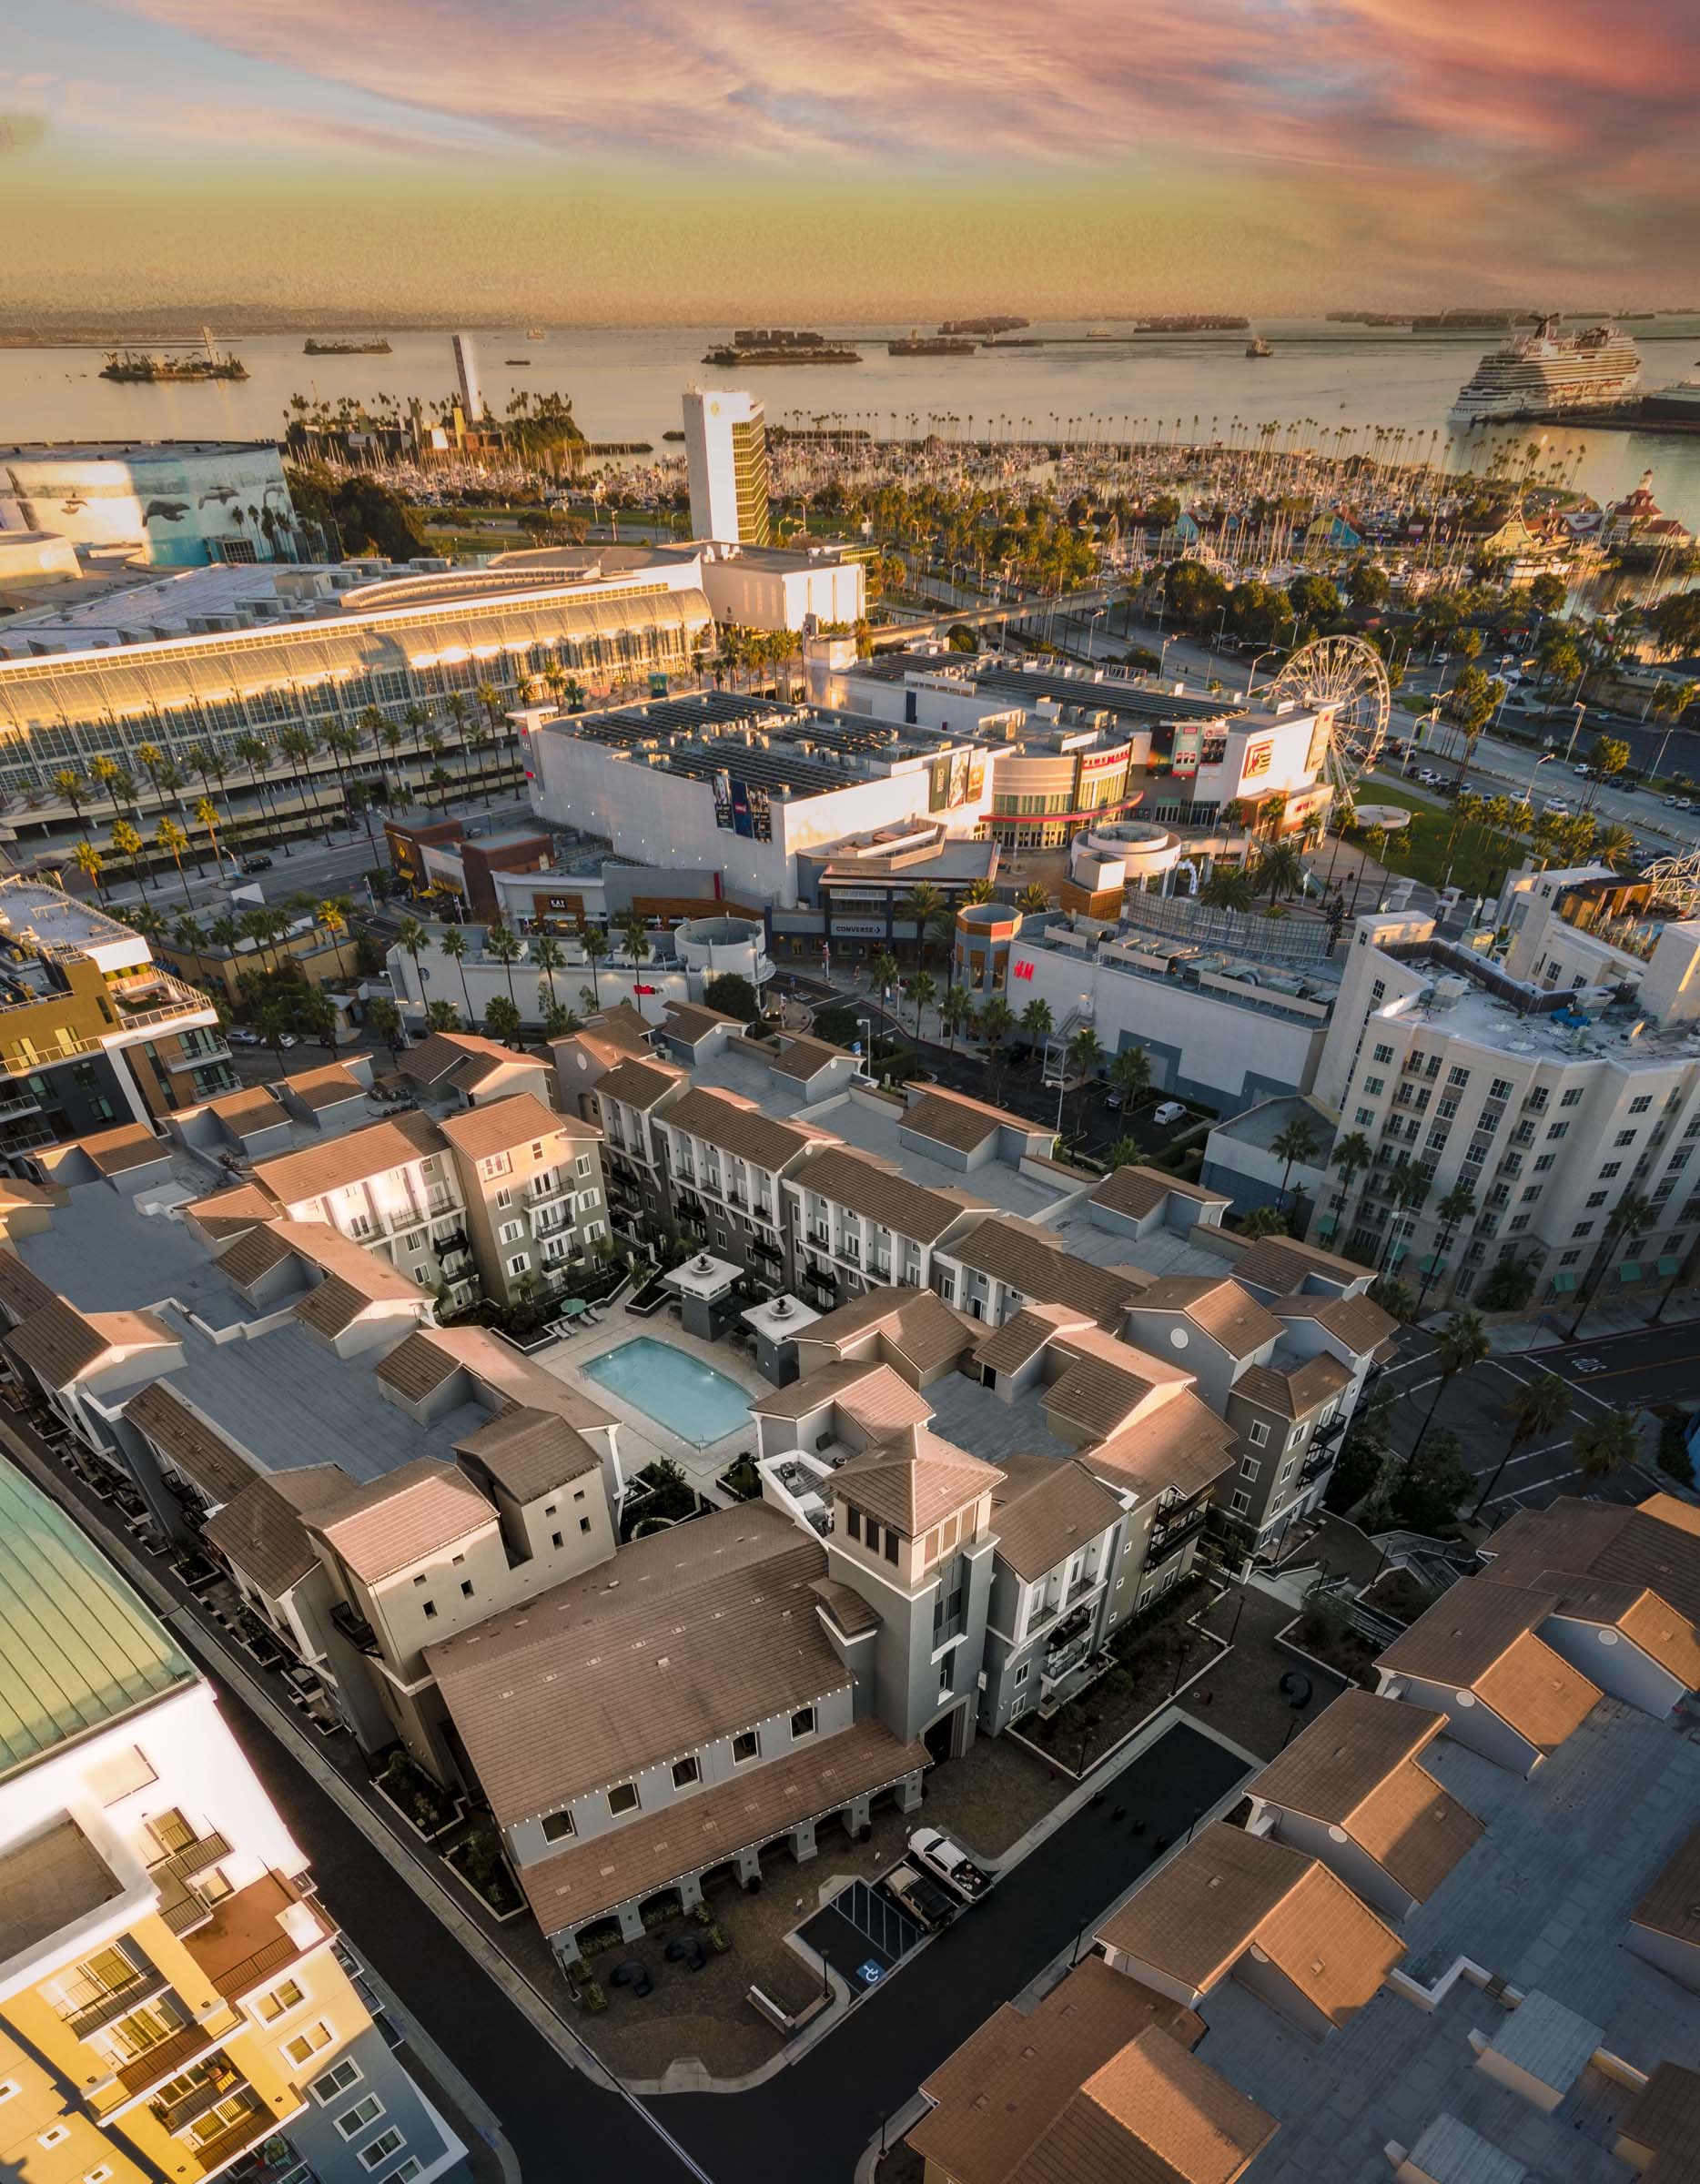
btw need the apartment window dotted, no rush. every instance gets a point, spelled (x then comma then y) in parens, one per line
(56, 2134)
(305, 2044)
(1640, 1106)
(1378, 992)
(1250, 1467)
(1572, 1098)
(386, 2143)
(623, 1798)
(1531, 1195)
(356, 2118)
(1021, 1674)
(1519, 1221)
(584, 1524)
(1240, 1503)
(890, 1548)
(498, 1164)
(98, 2175)
(746, 1745)
(337, 2079)
(519, 1264)
(408, 2170)
(1568, 1259)
(466, 1588)
(281, 2000)
(1372, 1085)
(1557, 1129)
(1258, 1434)
(1582, 1228)
(583, 1166)
(511, 1232)
(1286, 1469)
(1447, 1109)
(1545, 1163)
(852, 1523)
(558, 1826)
(430, 1607)
(1366, 1116)
(684, 1773)
(1383, 1054)
(1459, 1077)
(1500, 1088)
(8, 2087)
(803, 1722)
(1598, 1197)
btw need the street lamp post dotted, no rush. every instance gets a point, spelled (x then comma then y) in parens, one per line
(1257, 659)
(1579, 706)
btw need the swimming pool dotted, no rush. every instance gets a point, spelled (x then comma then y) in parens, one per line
(676, 1390)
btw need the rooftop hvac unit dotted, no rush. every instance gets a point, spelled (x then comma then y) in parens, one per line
(1448, 992)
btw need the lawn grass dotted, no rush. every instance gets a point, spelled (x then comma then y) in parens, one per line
(1478, 858)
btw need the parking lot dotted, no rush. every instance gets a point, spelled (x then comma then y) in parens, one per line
(862, 1934)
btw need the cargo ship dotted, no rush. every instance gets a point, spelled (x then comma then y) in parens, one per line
(996, 324)
(1546, 371)
(1259, 347)
(135, 367)
(780, 345)
(931, 345)
(381, 348)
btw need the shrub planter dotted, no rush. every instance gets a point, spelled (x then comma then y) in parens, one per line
(414, 1779)
(507, 1902)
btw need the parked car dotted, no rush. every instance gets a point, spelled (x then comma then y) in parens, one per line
(1582, 773)
(1168, 1110)
(927, 1901)
(259, 862)
(948, 1862)
(239, 1038)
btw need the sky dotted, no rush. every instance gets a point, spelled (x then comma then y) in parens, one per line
(657, 161)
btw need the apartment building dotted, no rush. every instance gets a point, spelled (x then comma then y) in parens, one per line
(175, 1997)
(534, 1195)
(93, 1031)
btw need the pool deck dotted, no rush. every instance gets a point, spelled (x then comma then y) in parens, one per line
(642, 1439)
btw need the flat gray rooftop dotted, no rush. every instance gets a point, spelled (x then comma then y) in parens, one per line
(105, 1254)
(1159, 1251)
(1543, 1901)
(1261, 1124)
(979, 1420)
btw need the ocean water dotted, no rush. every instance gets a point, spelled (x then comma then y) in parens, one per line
(625, 385)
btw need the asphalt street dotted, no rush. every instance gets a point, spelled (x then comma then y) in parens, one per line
(1643, 1368)
(824, 2108)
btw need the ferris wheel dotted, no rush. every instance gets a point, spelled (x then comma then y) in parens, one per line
(1343, 675)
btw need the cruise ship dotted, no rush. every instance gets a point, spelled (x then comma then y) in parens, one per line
(1546, 370)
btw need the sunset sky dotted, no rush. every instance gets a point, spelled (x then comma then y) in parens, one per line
(654, 160)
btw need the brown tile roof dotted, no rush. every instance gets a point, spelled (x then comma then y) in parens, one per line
(962, 1124)
(871, 1393)
(331, 1307)
(232, 1212)
(60, 1343)
(529, 1452)
(482, 1132)
(1666, 2117)
(616, 1031)
(738, 1126)
(326, 1088)
(1182, 1443)
(255, 1254)
(22, 1291)
(692, 1634)
(1357, 1321)
(251, 1109)
(640, 1083)
(1045, 1509)
(1026, 1332)
(1671, 1905)
(402, 1518)
(801, 1058)
(444, 1052)
(879, 1190)
(1136, 1191)
(1231, 1315)
(1029, 1260)
(260, 1532)
(915, 1481)
(1655, 1545)
(1100, 1392)
(418, 1366)
(1282, 1263)
(1196, 1916)
(395, 1142)
(1355, 1767)
(846, 1606)
(1000, 2091)
(1153, 2114)
(505, 1371)
(686, 1020)
(712, 1824)
(129, 1145)
(1296, 1391)
(1479, 1636)
(1542, 1696)
(917, 1325)
(194, 1444)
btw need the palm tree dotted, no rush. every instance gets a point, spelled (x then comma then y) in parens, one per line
(170, 836)
(116, 784)
(881, 970)
(594, 940)
(1631, 1214)
(331, 914)
(1350, 1153)
(1460, 1347)
(1085, 1052)
(1228, 887)
(274, 1021)
(1131, 1075)
(1606, 1444)
(1278, 870)
(634, 939)
(955, 1012)
(923, 903)
(1614, 845)
(1536, 1406)
(1264, 1221)
(550, 956)
(978, 891)
(145, 919)
(502, 945)
(452, 943)
(941, 928)
(1033, 901)
(70, 784)
(442, 1016)
(90, 862)
(1038, 1023)
(998, 1020)
(1454, 1210)
(187, 932)
(458, 714)
(1298, 1143)
(411, 936)
(205, 813)
(923, 991)
(438, 779)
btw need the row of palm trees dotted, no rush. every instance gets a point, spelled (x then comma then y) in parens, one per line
(503, 1018)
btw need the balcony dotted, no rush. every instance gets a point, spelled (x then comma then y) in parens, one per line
(154, 2065)
(762, 1248)
(198, 1057)
(1169, 1538)
(542, 1192)
(91, 2009)
(211, 2154)
(1317, 1462)
(22, 1103)
(220, 2079)
(354, 1627)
